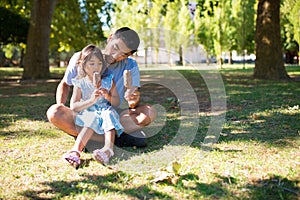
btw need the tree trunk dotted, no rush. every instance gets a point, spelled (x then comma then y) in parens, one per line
(269, 62)
(36, 60)
(180, 56)
(146, 55)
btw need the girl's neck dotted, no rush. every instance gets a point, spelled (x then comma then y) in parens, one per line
(89, 78)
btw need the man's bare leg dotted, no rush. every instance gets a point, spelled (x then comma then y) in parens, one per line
(63, 118)
(135, 119)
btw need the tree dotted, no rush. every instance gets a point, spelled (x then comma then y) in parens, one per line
(223, 14)
(75, 24)
(155, 21)
(243, 23)
(137, 21)
(204, 31)
(269, 58)
(185, 29)
(36, 60)
(170, 24)
(13, 34)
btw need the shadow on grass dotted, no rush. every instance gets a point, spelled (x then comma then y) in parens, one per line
(25, 101)
(274, 187)
(118, 183)
(93, 186)
(191, 182)
(256, 109)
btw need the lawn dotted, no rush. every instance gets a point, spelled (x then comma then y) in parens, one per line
(220, 134)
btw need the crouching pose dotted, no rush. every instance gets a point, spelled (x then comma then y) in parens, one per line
(133, 117)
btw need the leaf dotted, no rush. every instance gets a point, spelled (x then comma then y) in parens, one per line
(174, 167)
(169, 174)
(163, 176)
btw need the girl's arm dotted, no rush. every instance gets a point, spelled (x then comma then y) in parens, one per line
(77, 105)
(113, 96)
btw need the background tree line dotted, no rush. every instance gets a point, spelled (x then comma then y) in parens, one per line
(57, 28)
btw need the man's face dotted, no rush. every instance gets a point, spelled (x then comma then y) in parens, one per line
(116, 50)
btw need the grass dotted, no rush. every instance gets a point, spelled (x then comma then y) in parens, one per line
(256, 155)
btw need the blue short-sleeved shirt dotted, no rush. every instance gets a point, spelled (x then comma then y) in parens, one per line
(115, 69)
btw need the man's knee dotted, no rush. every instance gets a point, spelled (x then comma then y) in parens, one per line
(148, 115)
(152, 112)
(53, 112)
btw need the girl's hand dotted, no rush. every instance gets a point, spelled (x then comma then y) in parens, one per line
(95, 95)
(104, 93)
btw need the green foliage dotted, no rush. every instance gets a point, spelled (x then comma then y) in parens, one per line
(76, 24)
(222, 25)
(185, 24)
(13, 27)
(225, 25)
(21, 7)
(170, 25)
(291, 25)
(290, 9)
(204, 29)
(243, 20)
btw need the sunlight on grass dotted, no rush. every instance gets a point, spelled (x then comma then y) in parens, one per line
(28, 128)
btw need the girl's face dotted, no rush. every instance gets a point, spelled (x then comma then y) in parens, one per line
(93, 65)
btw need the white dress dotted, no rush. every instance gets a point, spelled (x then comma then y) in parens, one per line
(101, 117)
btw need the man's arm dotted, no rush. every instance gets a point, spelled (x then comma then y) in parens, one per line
(62, 92)
(133, 95)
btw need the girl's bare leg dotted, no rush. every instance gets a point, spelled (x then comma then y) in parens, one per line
(103, 155)
(109, 139)
(82, 139)
(73, 156)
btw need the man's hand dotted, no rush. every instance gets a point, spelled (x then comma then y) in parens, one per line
(133, 98)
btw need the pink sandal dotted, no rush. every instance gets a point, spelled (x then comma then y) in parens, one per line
(73, 158)
(103, 155)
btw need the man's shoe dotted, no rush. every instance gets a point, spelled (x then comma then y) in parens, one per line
(137, 139)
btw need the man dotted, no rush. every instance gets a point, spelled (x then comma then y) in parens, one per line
(123, 43)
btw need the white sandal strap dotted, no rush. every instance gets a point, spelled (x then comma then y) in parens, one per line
(110, 151)
(75, 151)
(104, 156)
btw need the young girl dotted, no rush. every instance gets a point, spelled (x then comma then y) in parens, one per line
(92, 104)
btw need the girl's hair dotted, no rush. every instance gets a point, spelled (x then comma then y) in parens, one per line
(85, 55)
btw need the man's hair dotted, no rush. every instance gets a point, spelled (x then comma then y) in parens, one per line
(129, 37)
